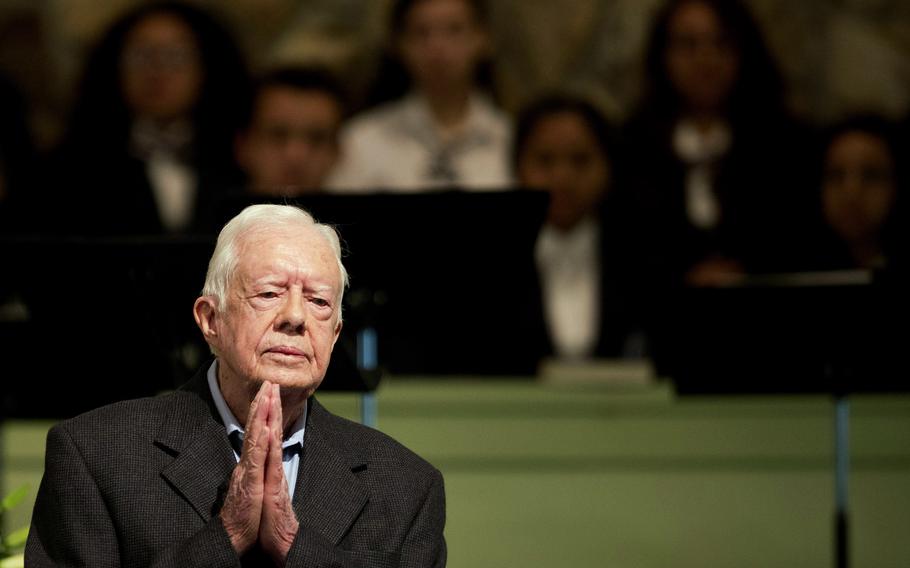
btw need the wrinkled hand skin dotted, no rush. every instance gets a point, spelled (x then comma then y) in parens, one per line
(278, 525)
(257, 506)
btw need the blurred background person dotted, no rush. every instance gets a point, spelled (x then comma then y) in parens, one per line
(149, 140)
(565, 146)
(861, 181)
(440, 129)
(718, 168)
(289, 144)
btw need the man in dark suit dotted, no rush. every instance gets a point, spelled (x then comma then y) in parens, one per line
(176, 481)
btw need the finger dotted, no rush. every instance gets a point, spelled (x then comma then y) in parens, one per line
(276, 420)
(256, 438)
(274, 476)
(275, 482)
(260, 401)
(242, 509)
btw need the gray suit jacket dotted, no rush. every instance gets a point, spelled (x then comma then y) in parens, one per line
(140, 483)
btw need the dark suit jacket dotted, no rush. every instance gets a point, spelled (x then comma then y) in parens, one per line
(762, 186)
(141, 482)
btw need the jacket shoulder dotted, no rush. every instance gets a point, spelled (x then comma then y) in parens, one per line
(121, 422)
(371, 446)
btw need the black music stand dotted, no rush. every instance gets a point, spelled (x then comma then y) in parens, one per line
(830, 332)
(441, 283)
(445, 278)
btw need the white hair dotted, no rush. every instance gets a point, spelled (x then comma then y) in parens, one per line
(257, 218)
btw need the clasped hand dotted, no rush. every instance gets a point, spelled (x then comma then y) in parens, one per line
(257, 507)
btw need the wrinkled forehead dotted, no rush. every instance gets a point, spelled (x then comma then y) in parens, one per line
(305, 246)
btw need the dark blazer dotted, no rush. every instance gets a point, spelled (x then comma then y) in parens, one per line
(141, 482)
(619, 322)
(108, 194)
(760, 184)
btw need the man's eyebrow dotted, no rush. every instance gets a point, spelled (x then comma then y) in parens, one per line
(320, 288)
(269, 280)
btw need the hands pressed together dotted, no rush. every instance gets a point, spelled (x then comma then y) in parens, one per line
(257, 507)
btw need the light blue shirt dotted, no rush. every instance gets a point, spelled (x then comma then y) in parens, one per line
(292, 445)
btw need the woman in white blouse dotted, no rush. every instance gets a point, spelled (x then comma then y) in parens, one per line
(564, 145)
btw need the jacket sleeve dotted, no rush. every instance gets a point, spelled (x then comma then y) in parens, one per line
(72, 525)
(425, 543)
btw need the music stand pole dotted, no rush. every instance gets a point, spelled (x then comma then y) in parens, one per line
(368, 360)
(841, 470)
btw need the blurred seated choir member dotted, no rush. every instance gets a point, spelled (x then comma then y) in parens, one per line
(861, 194)
(289, 143)
(565, 146)
(149, 140)
(717, 167)
(441, 129)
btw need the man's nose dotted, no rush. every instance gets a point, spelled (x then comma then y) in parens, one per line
(292, 318)
(562, 176)
(297, 149)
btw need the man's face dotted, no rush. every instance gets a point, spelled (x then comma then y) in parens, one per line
(292, 142)
(281, 317)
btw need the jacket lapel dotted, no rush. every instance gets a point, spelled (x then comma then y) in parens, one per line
(203, 458)
(328, 496)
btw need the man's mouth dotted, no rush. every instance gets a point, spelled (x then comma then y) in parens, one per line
(285, 350)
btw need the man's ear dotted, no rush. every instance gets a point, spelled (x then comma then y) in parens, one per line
(337, 333)
(205, 312)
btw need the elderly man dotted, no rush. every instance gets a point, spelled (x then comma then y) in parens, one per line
(177, 481)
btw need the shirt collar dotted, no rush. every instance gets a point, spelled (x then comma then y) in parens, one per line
(418, 121)
(568, 247)
(231, 424)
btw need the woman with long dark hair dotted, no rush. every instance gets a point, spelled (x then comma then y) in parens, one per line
(151, 130)
(718, 168)
(438, 127)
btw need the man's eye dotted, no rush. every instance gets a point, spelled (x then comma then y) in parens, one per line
(322, 303)
(268, 295)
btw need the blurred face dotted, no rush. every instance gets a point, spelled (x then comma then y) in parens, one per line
(441, 44)
(859, 188)
(281, 317)
(292, 143)
(160, 69)
(562, 156)
(701, 62)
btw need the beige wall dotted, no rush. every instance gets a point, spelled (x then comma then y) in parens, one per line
(836, 54)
